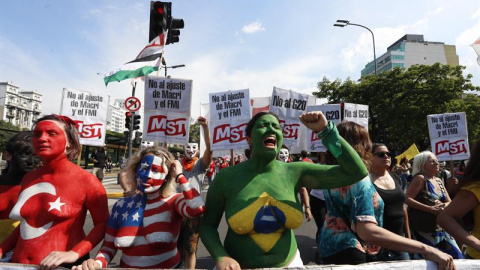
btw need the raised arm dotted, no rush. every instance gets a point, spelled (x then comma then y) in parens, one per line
(191, 203)
(207, 154)
(350, 169)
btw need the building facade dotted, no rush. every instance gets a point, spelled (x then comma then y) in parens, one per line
(116, 116)
(21, 108)
(413, 50)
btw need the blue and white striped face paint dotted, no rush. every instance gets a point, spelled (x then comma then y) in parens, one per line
(151, 173)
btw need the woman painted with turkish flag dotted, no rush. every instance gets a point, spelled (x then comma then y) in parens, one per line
(54, 200)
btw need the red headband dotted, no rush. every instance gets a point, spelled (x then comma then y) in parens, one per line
(67, 120)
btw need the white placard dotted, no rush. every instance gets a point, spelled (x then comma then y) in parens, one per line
(289, 105)
(333, 113)
(357, 113)
(169, 127)
(260, 104)
(229, 113)
(167, 109)
(449, 136)
(89, 111)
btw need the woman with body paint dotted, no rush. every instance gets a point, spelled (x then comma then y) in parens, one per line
(145, 226)
(259, 199)
(53, 202)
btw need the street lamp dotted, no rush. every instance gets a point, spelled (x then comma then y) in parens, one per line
(176, 66)
(343, 23)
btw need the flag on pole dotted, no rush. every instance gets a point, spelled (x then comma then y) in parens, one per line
(410, 153)
(476, 47)
(147, 61)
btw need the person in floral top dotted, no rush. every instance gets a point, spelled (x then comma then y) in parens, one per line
(358, 208)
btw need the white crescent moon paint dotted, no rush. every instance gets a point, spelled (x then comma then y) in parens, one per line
(28, 232)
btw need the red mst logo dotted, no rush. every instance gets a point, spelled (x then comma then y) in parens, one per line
(171, 127)
(90, 130)
(226, 132)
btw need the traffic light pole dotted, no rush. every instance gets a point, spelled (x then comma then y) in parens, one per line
(130, 129)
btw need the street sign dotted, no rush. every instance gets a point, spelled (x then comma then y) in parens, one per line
(132, 104)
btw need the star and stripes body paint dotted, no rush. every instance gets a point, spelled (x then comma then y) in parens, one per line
(146, 226)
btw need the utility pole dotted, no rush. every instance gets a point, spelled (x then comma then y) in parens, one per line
(130, 128)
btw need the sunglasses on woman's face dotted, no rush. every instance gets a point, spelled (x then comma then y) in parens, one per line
(382, 154)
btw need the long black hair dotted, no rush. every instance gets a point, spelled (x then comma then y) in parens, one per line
(472, 171)
(19, 143)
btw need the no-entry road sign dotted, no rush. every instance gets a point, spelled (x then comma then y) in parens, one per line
(132, 104)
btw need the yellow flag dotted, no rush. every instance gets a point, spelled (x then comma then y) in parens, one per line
(410, 153)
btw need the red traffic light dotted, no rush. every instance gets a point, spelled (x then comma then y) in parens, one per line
(128, 114)
(158, 6)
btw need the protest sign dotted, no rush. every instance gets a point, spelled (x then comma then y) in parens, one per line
(357, 113)
(333, 113)
(288, 106)
(259, 104)
(449, 136)
(229, 114)
(89, 111)
(167, 109)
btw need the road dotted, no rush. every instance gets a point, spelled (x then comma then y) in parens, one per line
(305, 235)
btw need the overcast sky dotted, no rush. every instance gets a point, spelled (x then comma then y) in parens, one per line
(47, 45)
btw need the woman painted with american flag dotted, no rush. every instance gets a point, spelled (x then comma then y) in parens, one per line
(145, 227)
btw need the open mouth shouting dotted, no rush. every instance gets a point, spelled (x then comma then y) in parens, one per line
(270, 141)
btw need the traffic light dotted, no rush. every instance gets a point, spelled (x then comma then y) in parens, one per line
(136, 121)
(138, 137)
(158, 19)
(174, 26)
(128, 120)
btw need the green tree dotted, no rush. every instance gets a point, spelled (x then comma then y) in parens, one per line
(470, 104)
(194, 133)
(400, 100)
(7, 130)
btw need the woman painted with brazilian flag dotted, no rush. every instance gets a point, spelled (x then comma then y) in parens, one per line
(259, 199)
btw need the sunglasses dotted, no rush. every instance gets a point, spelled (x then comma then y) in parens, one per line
(382, 154)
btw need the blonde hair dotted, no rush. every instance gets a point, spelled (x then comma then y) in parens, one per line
(419, 162)
(169, 187)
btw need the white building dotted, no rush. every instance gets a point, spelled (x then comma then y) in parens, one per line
(21, 108)
(116, 117)
(413, 50)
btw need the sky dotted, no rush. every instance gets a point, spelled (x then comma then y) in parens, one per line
(49, 45)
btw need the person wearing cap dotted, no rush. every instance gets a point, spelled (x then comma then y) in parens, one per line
(99, 159)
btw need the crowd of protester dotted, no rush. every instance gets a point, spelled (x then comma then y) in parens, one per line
(366, 206)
